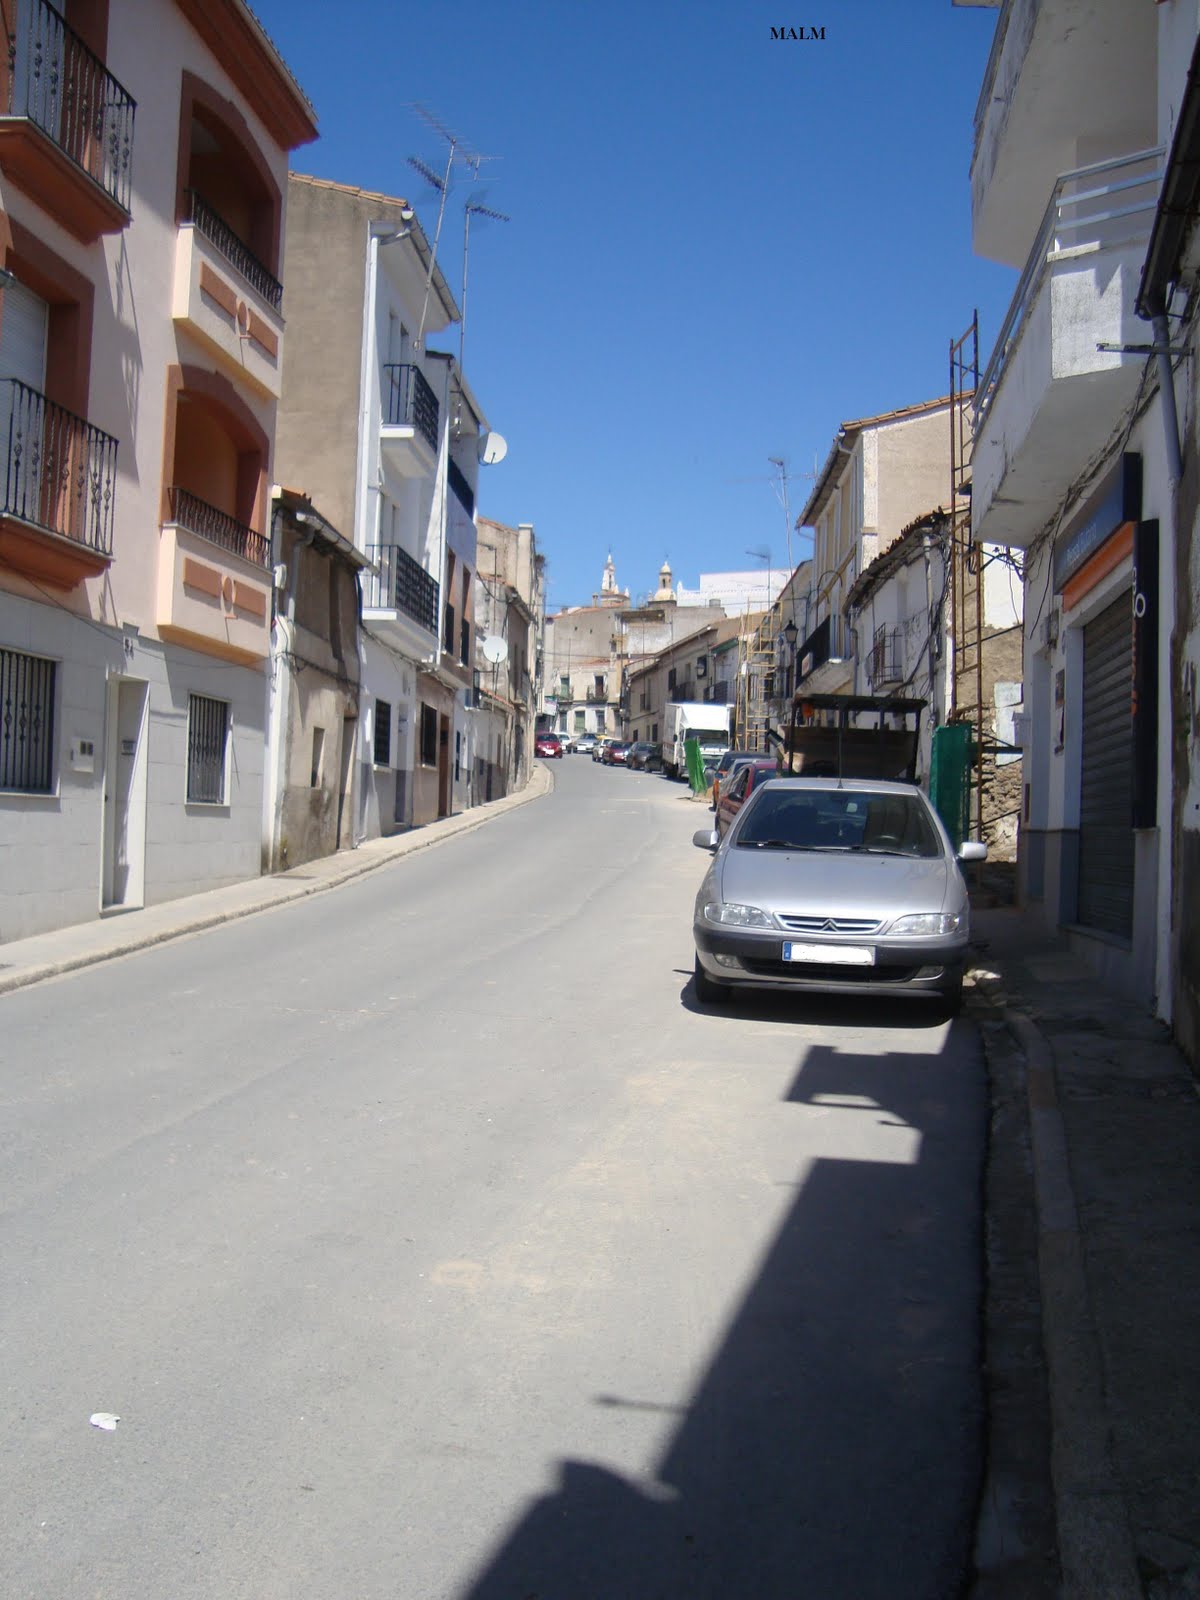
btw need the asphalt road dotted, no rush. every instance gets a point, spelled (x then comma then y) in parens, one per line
(432, 1244)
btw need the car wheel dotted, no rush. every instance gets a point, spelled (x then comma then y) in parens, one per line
(708, 991)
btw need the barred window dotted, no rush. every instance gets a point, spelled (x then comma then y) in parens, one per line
(383, 733)
(26, 722)
(208, 736)
(429, 736)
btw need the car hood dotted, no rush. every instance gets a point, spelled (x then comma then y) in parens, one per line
(833, 884)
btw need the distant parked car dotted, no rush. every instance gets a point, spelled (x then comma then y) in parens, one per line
(645, 757)
(725, 765)
(585, 744)
(741, 783)
(602, 745)
(616, 753)
(548, 745)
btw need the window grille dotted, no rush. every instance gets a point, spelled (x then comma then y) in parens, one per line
(208, 736)
(26, 722)
(383, 733)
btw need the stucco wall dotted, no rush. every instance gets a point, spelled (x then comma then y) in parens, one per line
(324, 278)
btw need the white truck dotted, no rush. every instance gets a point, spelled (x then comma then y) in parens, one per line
(706, 722)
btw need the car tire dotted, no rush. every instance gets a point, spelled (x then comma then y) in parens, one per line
(708, 991)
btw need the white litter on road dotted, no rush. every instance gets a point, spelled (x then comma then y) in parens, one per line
(105, 1420)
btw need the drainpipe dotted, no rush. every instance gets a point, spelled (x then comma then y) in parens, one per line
(282, 687)
(1166, 385)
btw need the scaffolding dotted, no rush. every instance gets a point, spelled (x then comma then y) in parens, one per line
(755, 674)
(965, 687)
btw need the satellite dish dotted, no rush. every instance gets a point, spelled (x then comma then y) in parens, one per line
(495, 649)
(493, 447)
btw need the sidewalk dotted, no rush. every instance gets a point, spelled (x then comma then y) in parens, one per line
(47, 955)
(1114, 1137)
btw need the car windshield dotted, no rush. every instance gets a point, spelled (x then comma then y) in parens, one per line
(838, 820)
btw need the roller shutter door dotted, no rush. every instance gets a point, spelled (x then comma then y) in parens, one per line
(1106, 788)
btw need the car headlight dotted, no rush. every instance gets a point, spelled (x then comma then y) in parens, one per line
(737, 916)
(928, 924)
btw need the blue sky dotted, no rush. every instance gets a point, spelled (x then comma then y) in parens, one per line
(721, 245)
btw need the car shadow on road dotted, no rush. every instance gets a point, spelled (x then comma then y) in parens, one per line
(832, 1448)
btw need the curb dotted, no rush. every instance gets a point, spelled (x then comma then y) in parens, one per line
(1096, 1550)
(278, 892)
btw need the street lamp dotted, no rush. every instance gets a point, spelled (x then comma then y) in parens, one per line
(791, 633)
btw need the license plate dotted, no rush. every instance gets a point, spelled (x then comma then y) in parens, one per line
(834, 955)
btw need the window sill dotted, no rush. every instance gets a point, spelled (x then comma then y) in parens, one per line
(40, 795)
(208, 806)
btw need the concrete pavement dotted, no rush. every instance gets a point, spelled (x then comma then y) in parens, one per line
(48, 955)
(1113, 1120)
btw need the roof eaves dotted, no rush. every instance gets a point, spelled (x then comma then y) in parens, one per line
(850, 431)
(902, 551)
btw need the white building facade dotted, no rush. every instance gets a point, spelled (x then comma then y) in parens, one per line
(881, 474)
(383, 432)
(1071, 467)
(140, 348)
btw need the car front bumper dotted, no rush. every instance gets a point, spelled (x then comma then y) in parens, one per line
(754, 959)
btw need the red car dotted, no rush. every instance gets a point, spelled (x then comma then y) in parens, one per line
(616, 754)
(548, 745)
(738, 788)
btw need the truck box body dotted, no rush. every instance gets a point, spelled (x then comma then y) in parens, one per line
(705, 721)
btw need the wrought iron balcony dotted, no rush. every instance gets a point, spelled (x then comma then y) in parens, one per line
(239, 255)
(409, 402)
(887, 656)
(66, 91)
(59, 471)
(207, 522)
(830, 640)
(401, 584)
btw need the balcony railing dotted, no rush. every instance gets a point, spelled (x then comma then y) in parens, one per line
(401, 584)
(409, 402)
(887, 658)
(59, 471)
(461, 487)
(64, 89)
(217, 527)
(830, 640)
(239, 255)
(1108, 203)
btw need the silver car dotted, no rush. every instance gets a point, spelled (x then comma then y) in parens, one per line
(847, 886)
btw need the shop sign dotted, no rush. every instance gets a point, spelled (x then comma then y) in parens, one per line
(1118, 501)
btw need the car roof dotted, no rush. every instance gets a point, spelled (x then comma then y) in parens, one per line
(851, 785)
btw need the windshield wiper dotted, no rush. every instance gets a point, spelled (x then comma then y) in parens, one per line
(884, 850)
(788, 844)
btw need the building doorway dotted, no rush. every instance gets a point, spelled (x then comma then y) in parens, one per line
(123, 878)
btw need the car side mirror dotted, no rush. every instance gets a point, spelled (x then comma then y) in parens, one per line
(706, 839)
(972, 850)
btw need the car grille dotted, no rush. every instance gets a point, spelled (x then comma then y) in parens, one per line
(831, 924)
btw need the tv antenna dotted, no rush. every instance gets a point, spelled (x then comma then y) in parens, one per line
(473, 208)
(456, 151)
